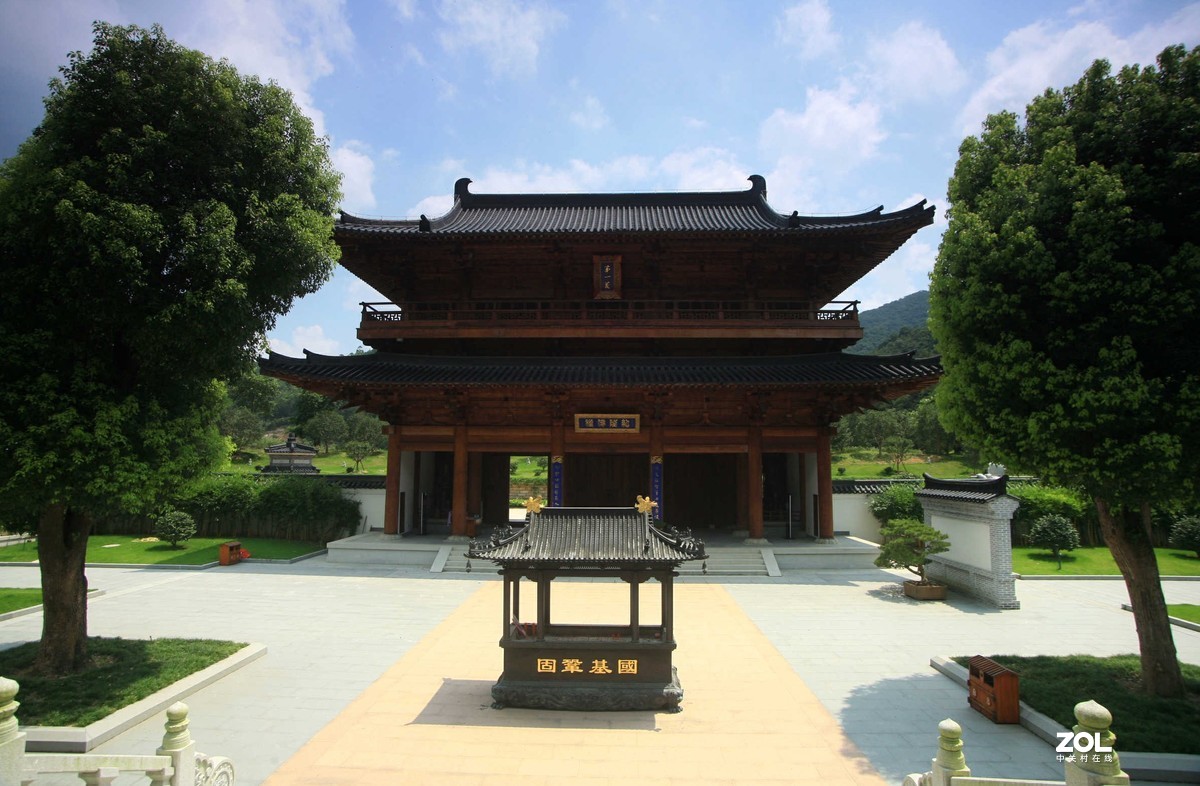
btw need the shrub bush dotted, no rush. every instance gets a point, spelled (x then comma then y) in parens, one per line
(1040, 500)
(1055, 533)
(1185, 534)
(175, 527)
(898, 501)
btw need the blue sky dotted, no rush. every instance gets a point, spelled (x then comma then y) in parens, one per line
(842, 106)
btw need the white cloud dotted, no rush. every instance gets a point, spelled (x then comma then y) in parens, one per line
(1042, 55)
(310, 337)
(591, 116)
(406, 9)
(914, 63)
(508, 34)
(433, 206)
(292, 43)
(835, 131)
(904, 272)
(354, 161)
(704, 169)
(358, 292)
(808, 27)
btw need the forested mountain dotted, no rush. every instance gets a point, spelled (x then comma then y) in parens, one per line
(881, 324)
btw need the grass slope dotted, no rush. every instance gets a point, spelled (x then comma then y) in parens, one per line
(14, 599)
(123, 671)
(1054, 685)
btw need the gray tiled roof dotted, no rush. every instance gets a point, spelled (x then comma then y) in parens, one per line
(589, 537)
(814, 369)
(981, 489)
(723, 211)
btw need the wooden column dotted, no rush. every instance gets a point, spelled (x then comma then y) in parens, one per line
(742, 502)
(824, 485)
(802, 498)
(416, 524)
(474, 484)
(458, 500)
(391, 484)
(754, 483)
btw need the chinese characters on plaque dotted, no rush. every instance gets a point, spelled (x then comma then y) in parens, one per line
(611, 424)
(582, 666)
(606, 277)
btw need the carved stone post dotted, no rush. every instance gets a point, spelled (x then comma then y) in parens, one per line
(949, 761)
(177, 743)
(12, 741)
(1095, 767)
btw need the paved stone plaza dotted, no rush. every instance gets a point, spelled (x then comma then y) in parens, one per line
(821, 675)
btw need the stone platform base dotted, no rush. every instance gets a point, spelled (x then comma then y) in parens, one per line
(543, 696)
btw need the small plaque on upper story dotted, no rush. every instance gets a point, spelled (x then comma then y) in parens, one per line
(606, 277)
(608, 424)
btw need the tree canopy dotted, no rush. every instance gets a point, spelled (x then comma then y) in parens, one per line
(1066, 302)
(165, 211)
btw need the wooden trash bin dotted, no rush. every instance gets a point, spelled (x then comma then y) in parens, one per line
(993, 690)
(230, 552)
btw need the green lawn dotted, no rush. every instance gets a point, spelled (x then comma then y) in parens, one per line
(123, 671)
(1098, 561)
(874, 468)
(333, 464)
(197, 551)
(1054, 685)
(13, 599)
(1184, 611)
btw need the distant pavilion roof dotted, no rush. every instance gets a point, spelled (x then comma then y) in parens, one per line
(723, 212)
(831, 368)
(589, 538)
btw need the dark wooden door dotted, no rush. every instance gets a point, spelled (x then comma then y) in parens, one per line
(700, 491)
(597, 480)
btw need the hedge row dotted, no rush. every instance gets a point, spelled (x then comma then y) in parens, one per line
(242, 506)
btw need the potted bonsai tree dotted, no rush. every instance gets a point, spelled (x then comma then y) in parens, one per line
(908, 544)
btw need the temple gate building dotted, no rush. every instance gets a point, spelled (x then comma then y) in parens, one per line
(684, 345)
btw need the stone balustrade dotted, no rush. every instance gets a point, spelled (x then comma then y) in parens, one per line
(1088, 764)
(176, 762)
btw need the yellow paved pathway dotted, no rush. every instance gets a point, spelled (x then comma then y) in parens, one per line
(747, 717)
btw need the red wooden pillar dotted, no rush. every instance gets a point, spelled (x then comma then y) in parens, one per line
(754, 483)
(824, 485)
(458, 500)
(391, 484)
(474, 487)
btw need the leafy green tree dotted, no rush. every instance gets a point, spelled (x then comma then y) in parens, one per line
(359, 451)
(308, 406)
(326, 428)
(1066, 303)
(365, 427)
(1055, 533)
(151, 229)
(255, 392)
(242, 426)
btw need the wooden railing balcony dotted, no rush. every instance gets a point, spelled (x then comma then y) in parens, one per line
(611, 318)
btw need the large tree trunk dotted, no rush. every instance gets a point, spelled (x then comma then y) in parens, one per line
(62, 548)
(1127, 534)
